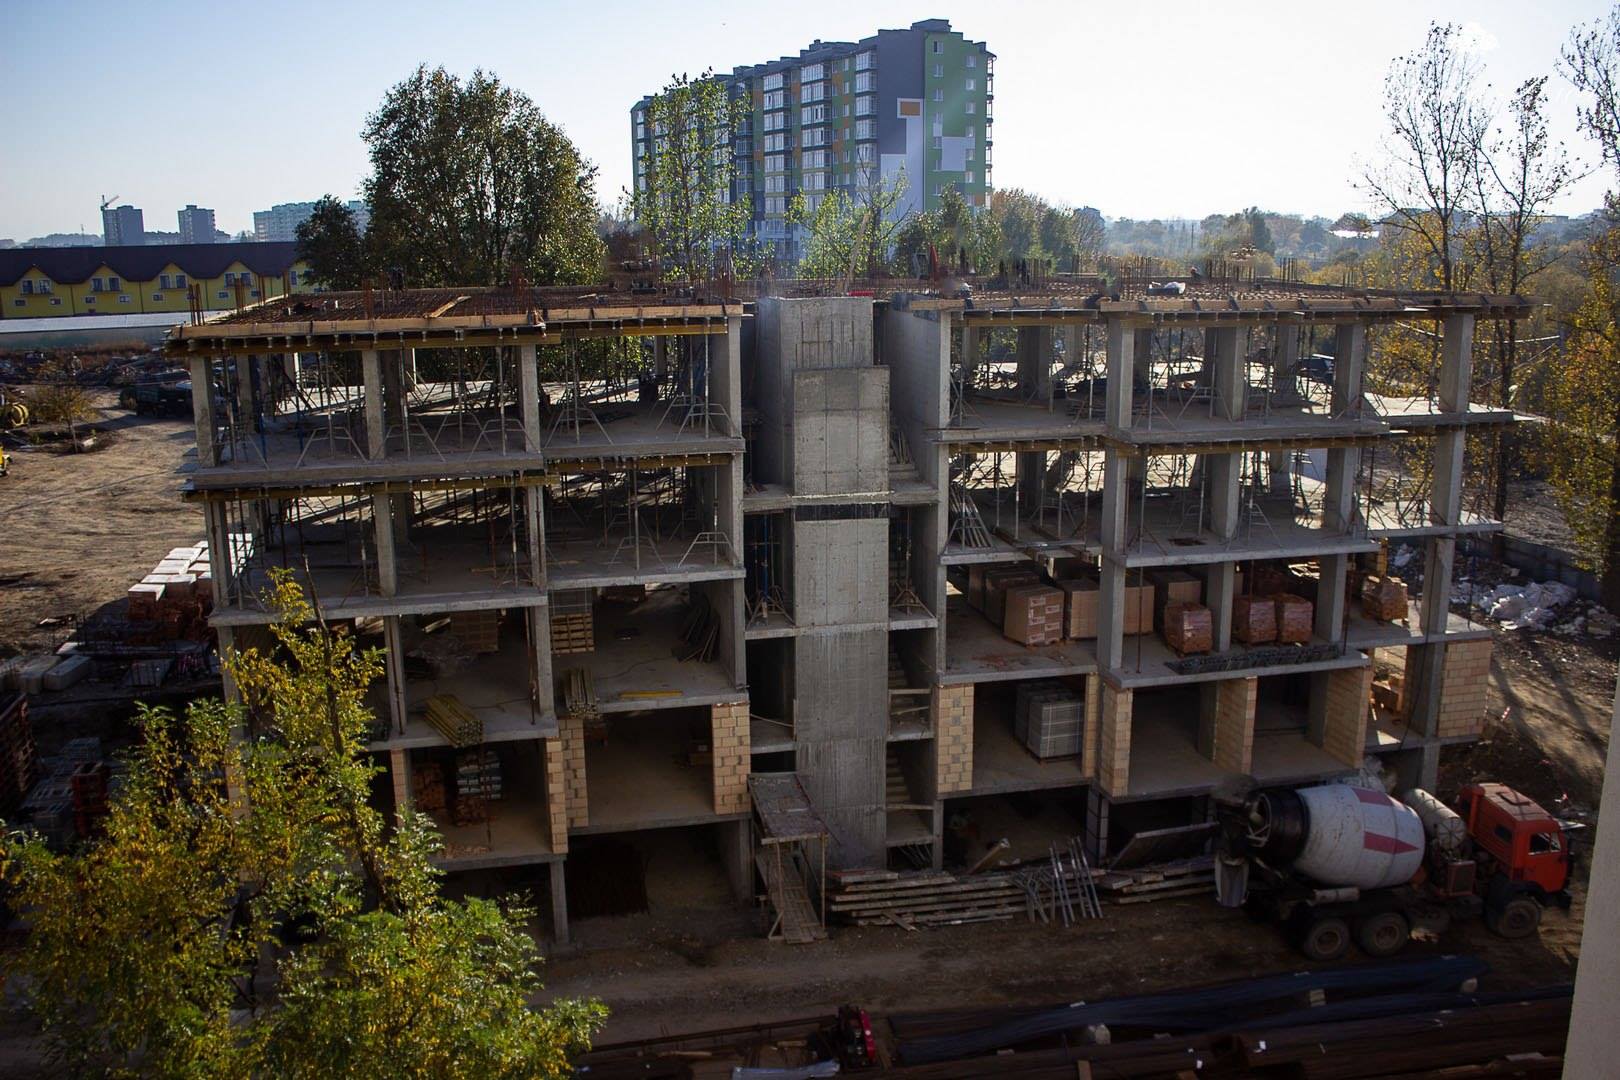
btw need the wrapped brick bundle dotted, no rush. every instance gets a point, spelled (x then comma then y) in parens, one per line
(996, 584)
(1254, 619)
(1080, 608)
(1034, 615)
(1384, 599)
(1294, 618)
(1138, 603)
(1173, 587)
(1189, 628)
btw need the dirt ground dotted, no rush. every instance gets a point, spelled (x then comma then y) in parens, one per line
(81, 528)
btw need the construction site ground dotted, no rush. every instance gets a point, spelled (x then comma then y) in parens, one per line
(80, 528)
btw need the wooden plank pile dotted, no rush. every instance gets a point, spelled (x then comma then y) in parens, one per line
(921, 898)
(457, 723)
(1165, 881)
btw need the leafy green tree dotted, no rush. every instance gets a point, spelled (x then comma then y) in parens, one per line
(851, 235)
(248, 913)
(1016, 215)
(684, 196)
(331, 243)
(471, 185)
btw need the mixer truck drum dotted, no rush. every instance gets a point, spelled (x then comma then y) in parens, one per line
(1283, 821)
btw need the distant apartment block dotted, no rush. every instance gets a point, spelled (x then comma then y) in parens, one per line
(196, 225)
(122, 226)
(842, 114)
(280, 222)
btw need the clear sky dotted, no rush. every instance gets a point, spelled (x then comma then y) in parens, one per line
(1147, 108)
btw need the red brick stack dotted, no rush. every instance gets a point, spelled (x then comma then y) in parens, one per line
(1189, 628)
(1294, 618)
(1254, 619)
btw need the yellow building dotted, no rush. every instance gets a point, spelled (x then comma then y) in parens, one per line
(44, 283)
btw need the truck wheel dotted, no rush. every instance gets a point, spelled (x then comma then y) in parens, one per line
(1517, 918)
(1325, 939)
(1383, 934)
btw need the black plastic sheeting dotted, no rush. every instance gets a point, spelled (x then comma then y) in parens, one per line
(1210, 1008)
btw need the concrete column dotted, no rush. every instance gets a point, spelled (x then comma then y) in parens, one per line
(1111, 613)
(1349, 367)
(1220, 586)
(1142, 360)
(382, 516)
(1035, 363)
(725, 374)
(970, 353)
(1229, 365)
(1284, 355)
(1121, 370)
(1225, 474)
(737, 851)
(529, 406)
(376, 417)
(1330, 612)
(394, 671)
(559, 903)
(220, 566)
(1456, 362)
(540, 658)
(202, 410)
(247, 392)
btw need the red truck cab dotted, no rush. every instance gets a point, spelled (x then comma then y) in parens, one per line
(1526, 843)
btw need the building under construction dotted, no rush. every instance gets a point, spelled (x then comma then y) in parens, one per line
(854, 580)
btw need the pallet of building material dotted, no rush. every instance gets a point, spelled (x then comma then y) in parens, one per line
(427, 782)
(578, 694)
(927, 898)
(69, 671)
(1295, 616)
(996, 583)
(1188, 628)
(1138, 604)
(1033, 615)
(458, 724)
(1049, 719)
(1384, 599)
(1172, 587)
(1254, 620)
(572, 624)
(143, 600)
(478, 774)
(480, 631)
(1080, 600)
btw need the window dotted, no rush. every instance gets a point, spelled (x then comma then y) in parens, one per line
(814, 137)
(810, 73)
(814, 92)
(970, 108)
(813, 114)
(775, 99)
(939, 71)
(776, 142)
(157, 296)
(864, 153)
(163, 281)
(775, 121)
(865, 82)
(223, 295)
(19, 302)
(815, 181)
(775, 204)
(27, 287)
(939, 47)
(1544, 843)
(967, 155)
(123, 299)
(938, 142)
(815, 159)
(777, 183)
(865, 129)
(56, 301)
(253, 292)
(939, 95)
(864, 106)
(865, 60)
(43, 287)
(774, 163)
(971, 60)
(971, 84)
(95, 285)
(773, 82)
(113, 284)
(90, 299)
(179, 281)
(967, 176)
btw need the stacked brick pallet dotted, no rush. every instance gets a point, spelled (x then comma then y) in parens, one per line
(173, 601)
(1049, 719)
(478, 784)
(89, 786)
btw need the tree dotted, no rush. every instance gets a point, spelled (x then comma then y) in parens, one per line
(471, 185)
(1436, 131)
(684, 196)
(851, 235)
(330, 242)
(1090, 235)
(1016, 214)
(145, 950)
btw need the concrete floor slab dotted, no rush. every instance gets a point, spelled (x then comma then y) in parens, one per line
(593, 562)
(1002, 764)
(633, 429)
(636, 653)
(976, 651)
(638, 778)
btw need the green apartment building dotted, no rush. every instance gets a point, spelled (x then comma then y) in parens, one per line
(843, 114)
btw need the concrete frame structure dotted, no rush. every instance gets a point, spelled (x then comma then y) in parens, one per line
(822, 452)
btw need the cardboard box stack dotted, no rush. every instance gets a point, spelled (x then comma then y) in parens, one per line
(996, 584)
(1033, 615)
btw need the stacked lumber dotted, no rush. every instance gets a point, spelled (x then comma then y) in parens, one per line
(1254, 619)
(921, 898)
(572, 627)
(1166, 881)
(458, 724)
(1080, 598)
(1188, 628)
(1033, 615)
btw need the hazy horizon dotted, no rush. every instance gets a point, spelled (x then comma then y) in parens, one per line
(1177, 110)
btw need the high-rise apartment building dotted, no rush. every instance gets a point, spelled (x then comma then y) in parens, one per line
(842, 115)
(122, 226)
(196, 225)
(280, 222)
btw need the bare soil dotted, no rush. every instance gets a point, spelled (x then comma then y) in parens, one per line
(80, 528)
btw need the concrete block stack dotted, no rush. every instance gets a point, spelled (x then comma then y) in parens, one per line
(1049, 719)
(173, 601)
(731, 743)
(953, 738)
(1033, 615)
(1465, 689)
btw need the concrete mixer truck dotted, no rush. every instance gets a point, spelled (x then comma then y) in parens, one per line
(1339, 863)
